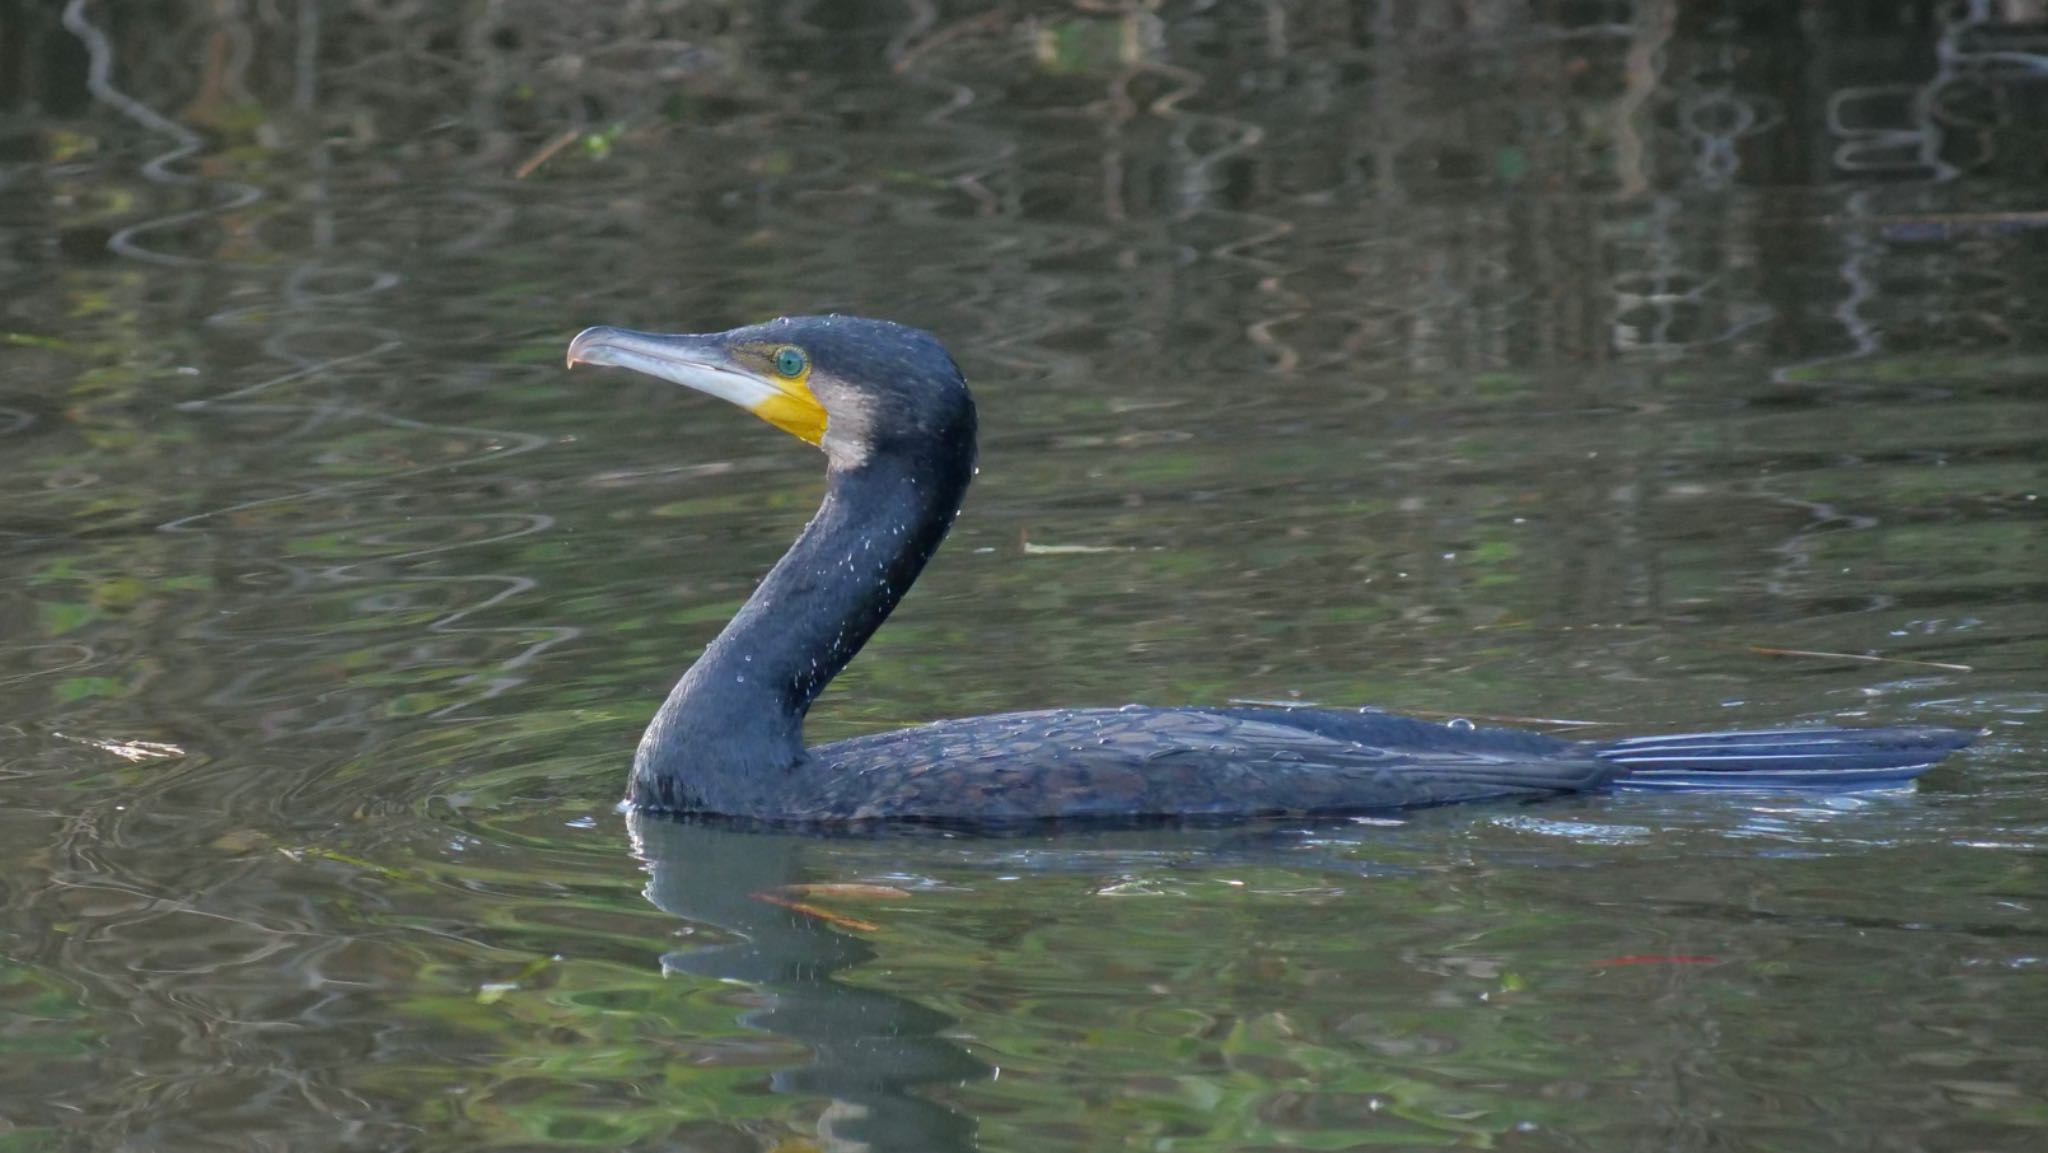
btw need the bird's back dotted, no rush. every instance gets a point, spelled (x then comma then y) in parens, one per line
(1158, 762)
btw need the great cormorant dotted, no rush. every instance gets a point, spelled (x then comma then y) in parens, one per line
(892, 413)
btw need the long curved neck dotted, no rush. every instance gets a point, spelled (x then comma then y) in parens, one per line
(733, 726)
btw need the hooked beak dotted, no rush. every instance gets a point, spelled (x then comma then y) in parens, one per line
(704, 363)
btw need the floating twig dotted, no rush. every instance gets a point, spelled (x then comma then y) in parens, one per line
(1033, 549)
(826, 915)
(847, 890)
(556, 143)
(1863, 657)
(130, 751)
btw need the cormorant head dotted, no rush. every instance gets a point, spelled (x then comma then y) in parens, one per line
(854, 387)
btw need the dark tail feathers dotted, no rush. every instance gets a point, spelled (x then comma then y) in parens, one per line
(1769, 759)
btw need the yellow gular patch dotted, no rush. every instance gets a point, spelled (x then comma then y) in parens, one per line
(793, 408)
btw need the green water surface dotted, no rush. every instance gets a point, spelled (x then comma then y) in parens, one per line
(1620, 367)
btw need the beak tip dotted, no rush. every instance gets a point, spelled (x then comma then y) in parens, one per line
(580, 346)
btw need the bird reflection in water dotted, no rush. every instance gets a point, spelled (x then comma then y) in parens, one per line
(871, 1050)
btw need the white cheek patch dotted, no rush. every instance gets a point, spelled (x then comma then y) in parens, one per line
(849, 423)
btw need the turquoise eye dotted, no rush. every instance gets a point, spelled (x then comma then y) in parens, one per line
(790, 362)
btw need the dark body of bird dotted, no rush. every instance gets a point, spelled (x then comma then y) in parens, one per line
(896, 422)
(1144, 762)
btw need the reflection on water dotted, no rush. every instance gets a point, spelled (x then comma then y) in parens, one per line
(868, 1048)
(1643, 364)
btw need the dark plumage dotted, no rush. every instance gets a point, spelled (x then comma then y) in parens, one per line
(894, 417)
